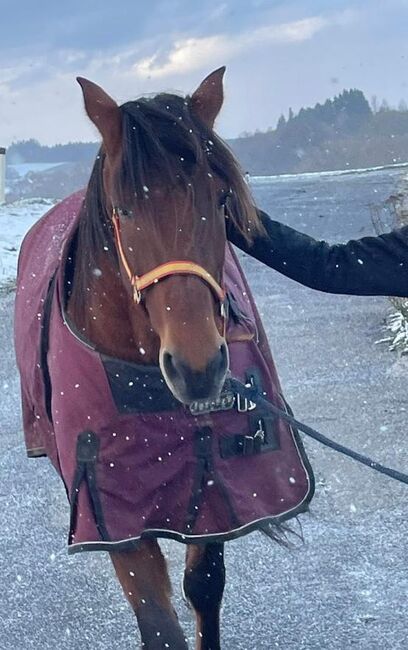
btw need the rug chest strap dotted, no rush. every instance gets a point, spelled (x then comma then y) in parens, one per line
(203, 453)
(86, 456)
(204, 470)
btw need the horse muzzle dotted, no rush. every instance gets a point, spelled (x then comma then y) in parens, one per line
(188, 384)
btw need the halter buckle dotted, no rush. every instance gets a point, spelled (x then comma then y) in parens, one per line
(137, 294)
(224, 308)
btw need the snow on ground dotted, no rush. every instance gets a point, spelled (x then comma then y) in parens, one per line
(346, 587)
(15, 220)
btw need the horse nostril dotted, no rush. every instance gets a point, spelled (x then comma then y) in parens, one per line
(221, 361)
(224, 355)
(168, 365)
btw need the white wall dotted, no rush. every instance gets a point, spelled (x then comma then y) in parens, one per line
(2, 173)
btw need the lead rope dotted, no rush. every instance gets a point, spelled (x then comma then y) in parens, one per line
(251, 393)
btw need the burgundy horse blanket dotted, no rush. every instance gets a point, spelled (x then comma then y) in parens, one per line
(134, 461)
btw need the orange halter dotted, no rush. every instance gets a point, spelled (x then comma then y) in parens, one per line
(176, 267)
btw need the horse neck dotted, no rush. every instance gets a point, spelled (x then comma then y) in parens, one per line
(107, 315)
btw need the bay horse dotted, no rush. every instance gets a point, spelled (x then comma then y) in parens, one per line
(143, 287)
(170, 197)
(168, 177)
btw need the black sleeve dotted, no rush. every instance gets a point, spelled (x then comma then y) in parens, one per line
(371, 266)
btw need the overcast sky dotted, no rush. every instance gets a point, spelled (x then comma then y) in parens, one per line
(278, 53)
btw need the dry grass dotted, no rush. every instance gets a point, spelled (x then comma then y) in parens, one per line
(397, 322)
(9, 286)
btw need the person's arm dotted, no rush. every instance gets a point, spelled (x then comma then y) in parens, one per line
(371, 266)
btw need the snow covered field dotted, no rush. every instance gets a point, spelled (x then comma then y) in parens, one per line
(15, 220)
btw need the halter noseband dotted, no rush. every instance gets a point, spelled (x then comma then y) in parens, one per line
(177, 267)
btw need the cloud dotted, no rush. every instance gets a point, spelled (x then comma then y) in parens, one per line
(284, 45)
(14, 71)
(193, 53)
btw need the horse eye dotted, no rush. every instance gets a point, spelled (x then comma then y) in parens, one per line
(226, 194)
(122, 212)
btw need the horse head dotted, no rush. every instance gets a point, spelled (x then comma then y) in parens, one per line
(167, 185)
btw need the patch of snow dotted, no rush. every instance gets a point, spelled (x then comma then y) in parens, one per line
(15, 221)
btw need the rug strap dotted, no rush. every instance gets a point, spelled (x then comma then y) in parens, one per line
(87, 455)
(206, 471)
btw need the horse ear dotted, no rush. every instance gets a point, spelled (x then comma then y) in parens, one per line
(207, 100)
(104, 112)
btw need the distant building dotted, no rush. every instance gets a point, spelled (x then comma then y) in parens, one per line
(2, 175)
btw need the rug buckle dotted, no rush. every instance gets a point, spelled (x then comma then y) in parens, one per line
(253, 444)
(243, 403)
(259, 435)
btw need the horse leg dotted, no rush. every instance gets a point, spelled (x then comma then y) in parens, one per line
(204, 581)
(145, 581)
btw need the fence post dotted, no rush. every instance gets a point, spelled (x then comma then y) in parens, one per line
(2, 174)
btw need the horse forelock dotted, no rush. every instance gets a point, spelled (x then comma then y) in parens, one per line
(164, 145)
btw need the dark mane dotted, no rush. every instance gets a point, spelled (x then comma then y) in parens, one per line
(162, 142)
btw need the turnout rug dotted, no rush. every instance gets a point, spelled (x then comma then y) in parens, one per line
(135, 462)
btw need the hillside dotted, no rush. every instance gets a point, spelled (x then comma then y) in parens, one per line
(342, 133)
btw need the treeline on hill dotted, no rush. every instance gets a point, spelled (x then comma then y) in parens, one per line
(31, 151)
(344, 132)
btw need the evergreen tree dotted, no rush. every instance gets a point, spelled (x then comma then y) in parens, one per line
(384, 106)
(281, 122)
(374, 104)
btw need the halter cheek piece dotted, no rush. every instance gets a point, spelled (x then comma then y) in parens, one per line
(176, 267)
